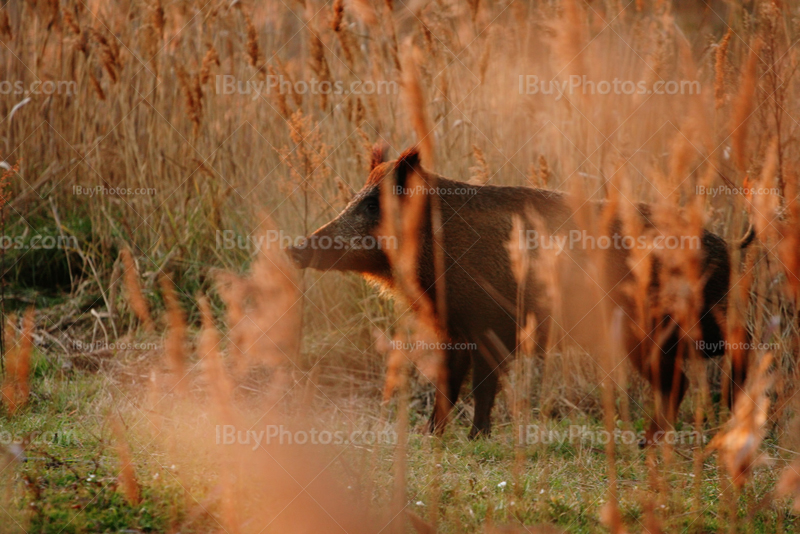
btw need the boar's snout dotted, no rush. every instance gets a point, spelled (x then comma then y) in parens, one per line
(301, 255)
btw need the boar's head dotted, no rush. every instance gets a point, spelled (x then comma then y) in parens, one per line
(351, 241)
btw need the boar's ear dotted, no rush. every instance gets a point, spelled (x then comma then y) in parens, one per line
(379, 150)
(407, 163)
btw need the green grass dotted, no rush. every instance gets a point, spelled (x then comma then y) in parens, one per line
(66, 478)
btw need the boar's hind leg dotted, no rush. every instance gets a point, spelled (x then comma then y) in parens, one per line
(670, 384)
(487, 364)
(458, 362)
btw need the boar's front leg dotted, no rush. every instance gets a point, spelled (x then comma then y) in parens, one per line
(458, 362)
(484, 390)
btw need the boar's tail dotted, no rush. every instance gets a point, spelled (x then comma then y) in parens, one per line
(748, 238)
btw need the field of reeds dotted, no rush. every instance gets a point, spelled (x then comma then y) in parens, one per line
(164, 371)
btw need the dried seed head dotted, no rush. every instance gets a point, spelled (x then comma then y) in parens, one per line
(480, 172)
(210, 59)
(338, 15)
(253, 52)
(739, 442)
(5, 25)
(127, 474)
(176, 338)
(720, 68)
(15, 388)
(135, 297)
(415, 104)
(743, 108)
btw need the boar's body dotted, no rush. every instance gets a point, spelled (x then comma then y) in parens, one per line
(481, 290)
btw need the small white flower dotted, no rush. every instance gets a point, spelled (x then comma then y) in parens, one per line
(541, 491)
(502, 484)
(420, 503)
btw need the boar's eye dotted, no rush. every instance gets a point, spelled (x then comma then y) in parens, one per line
(372, 207)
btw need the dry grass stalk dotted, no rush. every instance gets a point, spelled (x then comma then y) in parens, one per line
(400, 457)
(209, 60)
(5, 184)
(193, 96)
(571, 33)
(97, 87)
(127, 474)
(517, 251)
(480, 172)
(766, 207)
(253, 52)
(279, 97)
(152, 32)
(263, 310)
(743, 107)
(363, 10)
(16, 388)
(68, 19)
(109, 53)
(5, 25)
(737, 334)
(338, 15)
(297, 96)
(213, 368)
(396, 372)
(415, 105)
(135, 297)
(483, 64)
(789, 484)
(405, 231)
(319, 65)
(175, 345)
(156, 17)
(306, 161)
(526, 334)
(544, 171)
(720, 69)
(738, 443)
(337, 25)
(789, 246)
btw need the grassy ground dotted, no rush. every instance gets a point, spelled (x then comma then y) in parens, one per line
(67, 476)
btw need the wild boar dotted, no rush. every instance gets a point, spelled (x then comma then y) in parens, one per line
(481, 290)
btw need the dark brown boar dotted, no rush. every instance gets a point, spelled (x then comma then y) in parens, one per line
(481, 291)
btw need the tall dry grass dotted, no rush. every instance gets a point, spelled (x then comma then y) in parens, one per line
(147, 116)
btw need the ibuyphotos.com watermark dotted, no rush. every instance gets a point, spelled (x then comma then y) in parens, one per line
(531, 84)
(95, 346)
(426, 345)
(229, 85)
(100, 190)
(229, 240)
(38, 242)
(61, 438)
(48, 87)
(718, 347)
(280, 435)
(584, 435)
(399, 190)
(724, 190)
(582, 240)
